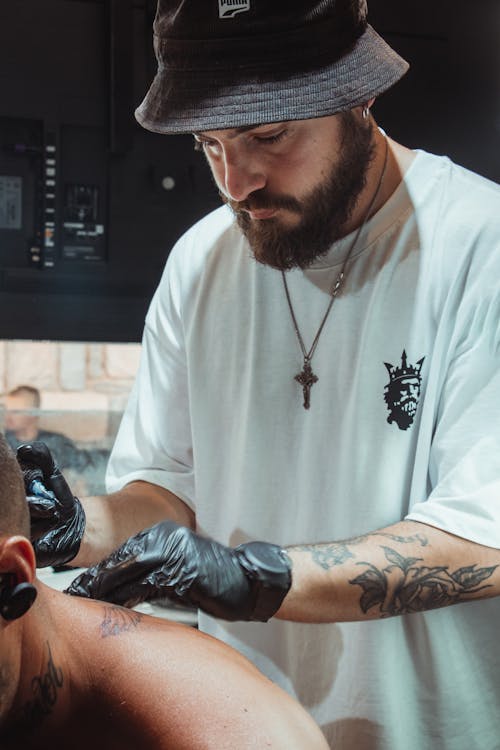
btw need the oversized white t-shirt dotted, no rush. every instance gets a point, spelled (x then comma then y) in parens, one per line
(404, 423)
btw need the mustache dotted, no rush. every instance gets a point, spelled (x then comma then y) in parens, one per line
(261, 199)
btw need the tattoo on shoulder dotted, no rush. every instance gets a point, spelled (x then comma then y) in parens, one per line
(46, 690)
(119, 620)
(405, 585)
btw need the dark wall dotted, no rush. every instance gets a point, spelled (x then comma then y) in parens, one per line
(79, 259)
(449, 102)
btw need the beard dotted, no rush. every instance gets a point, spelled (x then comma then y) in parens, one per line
(323, 213)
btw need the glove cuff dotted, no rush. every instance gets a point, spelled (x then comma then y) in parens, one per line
(269, 570)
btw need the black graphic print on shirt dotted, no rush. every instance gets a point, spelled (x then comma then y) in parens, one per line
(402, 392)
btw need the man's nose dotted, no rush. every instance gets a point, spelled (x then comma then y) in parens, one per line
(241, 177)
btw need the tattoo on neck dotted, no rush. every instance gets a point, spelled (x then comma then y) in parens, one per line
(404, 586)
(45, 688)
(119, 620)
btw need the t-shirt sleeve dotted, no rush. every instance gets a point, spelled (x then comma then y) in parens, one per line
(464, 461)
(154, 442)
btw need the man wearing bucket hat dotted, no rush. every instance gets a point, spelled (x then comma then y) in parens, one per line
(320, 362)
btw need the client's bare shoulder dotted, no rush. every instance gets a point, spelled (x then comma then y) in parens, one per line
(178, 688)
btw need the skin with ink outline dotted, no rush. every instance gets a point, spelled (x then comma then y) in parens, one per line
(328, 555)
(45, 688)
(119, 620)
(403, 588)
(332, 575)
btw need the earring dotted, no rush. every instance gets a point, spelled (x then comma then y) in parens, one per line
(15, 600)
(366, 112)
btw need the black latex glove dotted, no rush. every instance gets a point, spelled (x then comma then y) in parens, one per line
(248, 582)
(57, 517)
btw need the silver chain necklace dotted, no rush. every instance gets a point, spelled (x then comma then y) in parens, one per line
(306, 378)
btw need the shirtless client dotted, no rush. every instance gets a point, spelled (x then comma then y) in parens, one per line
(79, 673)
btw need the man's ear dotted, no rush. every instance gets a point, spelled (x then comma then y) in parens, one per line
(367, 105)
(18, 557)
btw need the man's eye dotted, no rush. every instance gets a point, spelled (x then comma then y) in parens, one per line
(271, 138)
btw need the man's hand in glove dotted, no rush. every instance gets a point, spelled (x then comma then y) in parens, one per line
(57, 518)
(248, 582)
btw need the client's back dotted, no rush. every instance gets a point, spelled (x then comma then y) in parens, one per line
(161, 685)
(88, 675)
(120, 679)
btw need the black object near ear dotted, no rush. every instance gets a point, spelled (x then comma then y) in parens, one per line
(15, 599)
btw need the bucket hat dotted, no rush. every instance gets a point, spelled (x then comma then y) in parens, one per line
(230, 63)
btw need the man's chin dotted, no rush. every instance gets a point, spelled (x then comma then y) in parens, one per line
(261, 236)
(279, 257)
(280, 247)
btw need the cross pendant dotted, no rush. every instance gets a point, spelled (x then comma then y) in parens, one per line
(307, 379)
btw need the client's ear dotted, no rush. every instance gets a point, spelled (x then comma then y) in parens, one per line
(17, 572)
(17, 557)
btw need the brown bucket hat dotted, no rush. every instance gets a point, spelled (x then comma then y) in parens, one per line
(231, 63)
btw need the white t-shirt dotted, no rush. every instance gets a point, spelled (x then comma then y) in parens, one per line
(404, 423)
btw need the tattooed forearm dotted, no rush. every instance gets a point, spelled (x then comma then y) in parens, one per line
(118, 620)
(405, 586)
(329, 555)
(420, 538)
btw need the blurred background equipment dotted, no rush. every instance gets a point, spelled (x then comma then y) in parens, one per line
(90, 204)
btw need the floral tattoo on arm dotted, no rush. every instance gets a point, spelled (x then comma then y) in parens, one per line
(404, 586)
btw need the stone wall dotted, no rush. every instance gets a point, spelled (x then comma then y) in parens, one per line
(84, 387)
